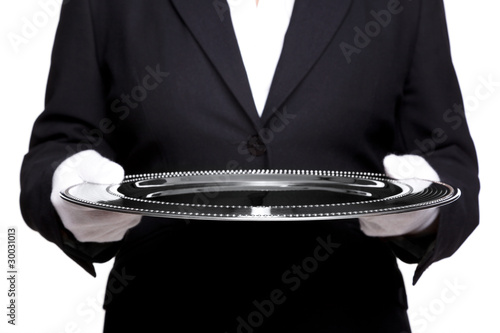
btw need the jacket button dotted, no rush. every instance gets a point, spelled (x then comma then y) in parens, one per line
(255, 146)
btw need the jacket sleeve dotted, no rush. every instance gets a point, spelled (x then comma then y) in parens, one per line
(431, 123)
(75, 112)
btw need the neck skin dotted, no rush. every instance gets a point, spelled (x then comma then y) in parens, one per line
(256, 2)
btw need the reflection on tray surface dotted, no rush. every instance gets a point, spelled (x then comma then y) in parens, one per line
(259, 191)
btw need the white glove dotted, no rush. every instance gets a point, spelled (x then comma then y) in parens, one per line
(403, 167)
(88, 224)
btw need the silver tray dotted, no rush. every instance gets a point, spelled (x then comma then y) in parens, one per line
(262, 195)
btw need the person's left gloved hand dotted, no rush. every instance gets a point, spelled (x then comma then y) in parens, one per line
(403, 167)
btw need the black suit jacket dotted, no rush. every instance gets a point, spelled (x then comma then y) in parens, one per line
(160, 86)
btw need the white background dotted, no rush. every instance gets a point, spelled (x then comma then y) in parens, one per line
(456, 295)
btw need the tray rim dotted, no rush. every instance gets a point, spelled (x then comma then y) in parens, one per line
(453, 195)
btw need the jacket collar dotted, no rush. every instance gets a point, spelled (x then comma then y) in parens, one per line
(312, 26)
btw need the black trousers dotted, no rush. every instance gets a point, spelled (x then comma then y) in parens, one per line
(233, 277)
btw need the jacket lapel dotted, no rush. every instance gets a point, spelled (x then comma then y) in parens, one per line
(312, 26)
(210, 24)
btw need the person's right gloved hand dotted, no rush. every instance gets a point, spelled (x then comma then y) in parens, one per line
(85, 223)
